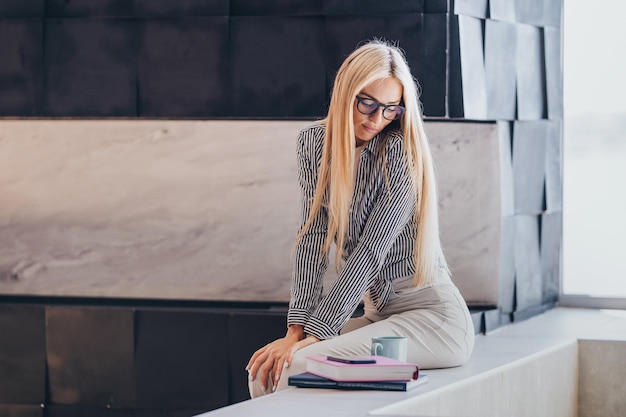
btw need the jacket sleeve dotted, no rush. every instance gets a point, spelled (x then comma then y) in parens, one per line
(309, 265)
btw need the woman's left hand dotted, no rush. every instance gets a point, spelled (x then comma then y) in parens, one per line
(274, 357)
(286, 361)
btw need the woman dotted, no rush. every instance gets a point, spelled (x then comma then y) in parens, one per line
(368, 186)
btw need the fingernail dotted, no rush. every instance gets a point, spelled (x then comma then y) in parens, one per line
(250, 378)
(286, 365)
(247, 368)
(263, 388)
(274, 388)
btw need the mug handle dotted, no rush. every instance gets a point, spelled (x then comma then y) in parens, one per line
(375, 348)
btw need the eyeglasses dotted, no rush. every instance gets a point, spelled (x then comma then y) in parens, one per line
(369, 106)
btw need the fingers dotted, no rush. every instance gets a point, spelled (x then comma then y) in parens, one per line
(265, 373)
(278, 371)
(261, 361)
(255, 362)
(286, 360)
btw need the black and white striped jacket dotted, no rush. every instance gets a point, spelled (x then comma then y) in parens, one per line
(380, 238)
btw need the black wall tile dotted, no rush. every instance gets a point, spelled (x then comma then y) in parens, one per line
(276, 7)
(248, 332)
(20, 410)
(191, 8)
(432, 68)
(183, 67)
(89, 8)
(21, 77)
(84, 411)
(345, 34)
(372, 7)
(182, 360)
(22, 355)
(278, 66)
(169, 413)
(21, 8)
(436, 6)
(90, 68)
(90, 353)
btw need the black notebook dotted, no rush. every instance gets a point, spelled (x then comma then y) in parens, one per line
(307, 380)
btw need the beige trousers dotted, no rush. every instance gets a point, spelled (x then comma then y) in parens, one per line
(435, 320)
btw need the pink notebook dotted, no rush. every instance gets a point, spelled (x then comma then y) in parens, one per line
(385, 369)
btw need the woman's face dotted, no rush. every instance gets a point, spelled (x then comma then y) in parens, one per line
(386, 92)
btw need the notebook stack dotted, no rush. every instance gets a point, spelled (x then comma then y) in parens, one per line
(359, 373)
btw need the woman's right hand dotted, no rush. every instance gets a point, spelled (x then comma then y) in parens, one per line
(273, 356)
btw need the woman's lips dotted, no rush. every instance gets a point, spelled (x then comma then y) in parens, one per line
(371, 130)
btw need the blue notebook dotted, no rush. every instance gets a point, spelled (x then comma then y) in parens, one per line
(307, 380)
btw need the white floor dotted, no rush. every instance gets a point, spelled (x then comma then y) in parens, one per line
(557, 327)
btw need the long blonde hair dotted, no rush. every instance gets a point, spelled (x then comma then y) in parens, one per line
(374, 61)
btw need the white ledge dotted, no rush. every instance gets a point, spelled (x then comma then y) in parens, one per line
(550, 338)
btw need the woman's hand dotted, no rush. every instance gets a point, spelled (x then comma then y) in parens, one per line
(278, 354)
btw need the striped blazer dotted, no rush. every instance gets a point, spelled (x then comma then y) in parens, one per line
(380, 241)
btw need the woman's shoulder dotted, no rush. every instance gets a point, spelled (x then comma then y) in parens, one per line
(314, 131)
(394, 142)
(312, 136)
(394, 138)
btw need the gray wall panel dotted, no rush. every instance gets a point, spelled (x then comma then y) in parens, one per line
(529, 149)
(530, 73)
(506, 281)
(473, 68)
(528, 280)
(554, 168)
(551, 237)
(554, 72)
(500, 62)
(474, 8)
(502, 10)
(505, 136)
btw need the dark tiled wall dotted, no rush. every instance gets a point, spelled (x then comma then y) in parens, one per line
(69, 360)
(130, 360)
(204, 59)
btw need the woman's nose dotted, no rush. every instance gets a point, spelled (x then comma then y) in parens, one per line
(377, 115)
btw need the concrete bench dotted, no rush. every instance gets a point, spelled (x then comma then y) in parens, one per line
(563, 363)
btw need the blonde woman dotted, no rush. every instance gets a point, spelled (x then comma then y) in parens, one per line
(368, 187)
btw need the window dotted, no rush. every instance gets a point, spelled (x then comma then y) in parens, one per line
(594, 154)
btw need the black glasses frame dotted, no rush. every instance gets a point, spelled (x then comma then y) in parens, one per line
(379, 105)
